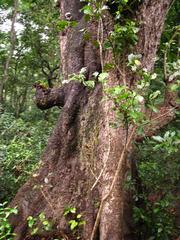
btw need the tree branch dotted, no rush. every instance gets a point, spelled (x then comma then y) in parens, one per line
(158, 120)
(46, 98)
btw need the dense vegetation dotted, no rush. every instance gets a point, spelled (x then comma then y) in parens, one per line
(35, 59)
(33, 55)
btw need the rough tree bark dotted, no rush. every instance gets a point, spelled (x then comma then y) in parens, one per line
(83, 147)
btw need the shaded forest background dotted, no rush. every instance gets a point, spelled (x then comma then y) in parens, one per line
(29, 54)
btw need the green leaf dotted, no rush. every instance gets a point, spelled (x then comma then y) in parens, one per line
(153, 76)
(45, 223)
(160, 230)
(31, 221)
(79, 216)
(73, 24)
(82, 223)
(109, 66)
(158, 138)
(73, 210)
(137, 62)
(103, 77)
(154, 94)
(42, 216)
(88, 10)
(69, 210)
(34, 231)
(62, 24)
(90, 84)
(107, 45)
(73, 224)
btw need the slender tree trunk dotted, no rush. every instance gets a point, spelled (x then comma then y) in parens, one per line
(20, 101)
(85, 162)
(11, 49)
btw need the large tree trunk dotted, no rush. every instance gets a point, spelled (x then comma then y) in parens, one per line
(83, 146)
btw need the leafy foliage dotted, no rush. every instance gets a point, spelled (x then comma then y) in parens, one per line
(158, 172)
(45, 225)
(81, 77)
(122, 36)
(75, 218)
(21, 144)
(36, 53)
(6, 232)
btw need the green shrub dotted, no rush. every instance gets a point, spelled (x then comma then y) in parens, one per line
(158, 172)
(6, 232)
(21, 145)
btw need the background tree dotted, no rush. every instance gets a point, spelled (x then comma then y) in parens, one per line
(11, 49)
(35, 55)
